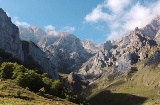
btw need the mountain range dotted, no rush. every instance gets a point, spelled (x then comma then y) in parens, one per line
(83, 62)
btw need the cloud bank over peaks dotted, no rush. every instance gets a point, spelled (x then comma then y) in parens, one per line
(68, 29)
(49, 27)
(20, 23)
(123, 15)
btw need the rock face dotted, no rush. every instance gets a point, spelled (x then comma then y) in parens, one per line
(34, 53)
(65, 51)
(93, 67)
(124, 62)
(118, 55)
(9, 33)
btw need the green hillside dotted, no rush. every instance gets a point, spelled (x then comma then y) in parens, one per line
(11, 94)
(26, 85)
(139, 88)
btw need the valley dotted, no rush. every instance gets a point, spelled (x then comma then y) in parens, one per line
(56, 68)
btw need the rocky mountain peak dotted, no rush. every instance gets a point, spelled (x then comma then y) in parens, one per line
(152, 28)
(32, 33)
(91, 47)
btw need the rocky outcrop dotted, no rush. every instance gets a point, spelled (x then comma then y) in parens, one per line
(154, 58)
(143, 55)
(124, 62)
(9, 33)
(93, 67)
(33, 53)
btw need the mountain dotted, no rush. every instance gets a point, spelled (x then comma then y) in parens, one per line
(24, 67)
(129, 74)
(64, 50)
(9, 33)
(119, 55)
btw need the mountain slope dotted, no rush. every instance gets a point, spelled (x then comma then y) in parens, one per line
(34, 54)
(119, 55)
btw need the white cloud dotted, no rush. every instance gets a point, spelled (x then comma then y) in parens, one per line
(123, 15)
(101, 28)
(20, 23)
(117, 6)
(68, 29)
(97, 14)
(138, 15)
(49, 27)
(116, 34)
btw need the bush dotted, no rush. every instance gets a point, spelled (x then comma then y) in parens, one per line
(6, 70)
(19, 70)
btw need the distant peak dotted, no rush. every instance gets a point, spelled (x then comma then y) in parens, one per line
(34, 27)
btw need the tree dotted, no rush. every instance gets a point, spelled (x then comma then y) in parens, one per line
(30, 79)
(19, 69)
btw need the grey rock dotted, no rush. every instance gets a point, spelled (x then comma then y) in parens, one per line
(93, 67)
(9, 33)
(152, 28)
(124, 62)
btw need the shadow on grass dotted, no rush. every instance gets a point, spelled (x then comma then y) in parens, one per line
(24, 97)
(20, 97)
(107, 98)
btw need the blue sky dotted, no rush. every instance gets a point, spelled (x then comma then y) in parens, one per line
(97, 20)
